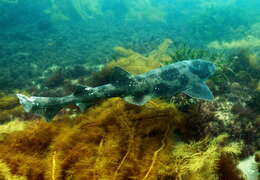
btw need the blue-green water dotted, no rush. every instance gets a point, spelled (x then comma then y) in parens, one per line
(37, 35)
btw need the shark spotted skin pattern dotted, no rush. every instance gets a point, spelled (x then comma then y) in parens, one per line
(186, 76)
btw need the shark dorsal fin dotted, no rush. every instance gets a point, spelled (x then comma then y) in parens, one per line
(200, 90)
(120, 77)
(81, 89)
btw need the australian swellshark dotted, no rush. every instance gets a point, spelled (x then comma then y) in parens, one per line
(186, 76)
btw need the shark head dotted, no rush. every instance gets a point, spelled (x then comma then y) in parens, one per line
(203, 69)
(198, 71)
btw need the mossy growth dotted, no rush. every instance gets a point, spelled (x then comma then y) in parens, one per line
(246, 65)
(10, 127)
(247, 42)
(182, 51)
(7, 102)
(5, 173)
(236, 66)
(205, 159)
(258, 86)
(112, 140)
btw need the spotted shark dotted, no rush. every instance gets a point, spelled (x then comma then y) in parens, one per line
(187, 76)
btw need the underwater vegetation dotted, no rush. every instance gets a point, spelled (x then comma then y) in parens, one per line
(6, 174)
(249, 40)
(114, 140)
(87, 9)
(12, 126)
(210, 24)
(145, 10)
(226, 116)
(136, 63)
(183, 51)
(28, 56)
(206, 159)
(129, 10)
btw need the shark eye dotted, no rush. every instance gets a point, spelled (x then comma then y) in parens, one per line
(212, 68)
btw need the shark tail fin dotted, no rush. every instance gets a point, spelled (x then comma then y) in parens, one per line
(29, 105)
(26, 102)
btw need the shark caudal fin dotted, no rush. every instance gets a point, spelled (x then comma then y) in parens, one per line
(31, 104)
(26, 102)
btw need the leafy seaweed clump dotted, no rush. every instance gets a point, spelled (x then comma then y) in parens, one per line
(137, 63)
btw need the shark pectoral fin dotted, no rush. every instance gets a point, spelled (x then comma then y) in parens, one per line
(120, 77)
(138, 100)
(82, 106)
(48, 113)
(200, 91)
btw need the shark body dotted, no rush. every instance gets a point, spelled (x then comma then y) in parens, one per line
(186, 76)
